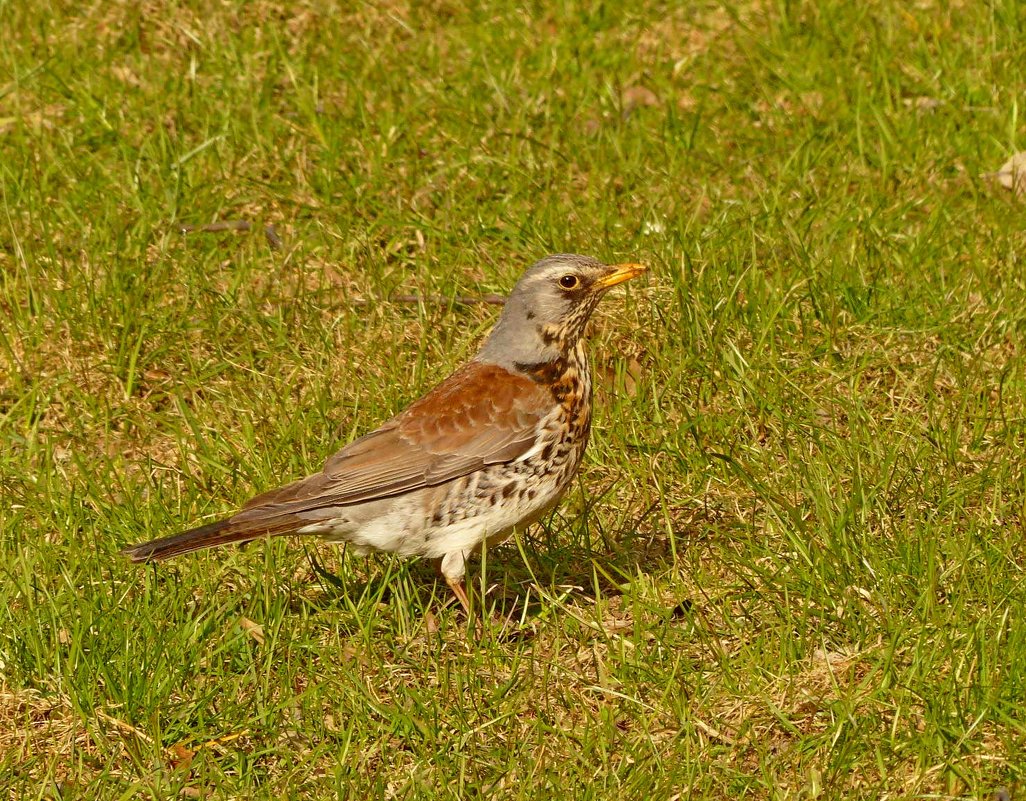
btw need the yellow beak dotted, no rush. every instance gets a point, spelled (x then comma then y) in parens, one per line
(619, 274)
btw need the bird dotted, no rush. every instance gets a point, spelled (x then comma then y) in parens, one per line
(487, 452)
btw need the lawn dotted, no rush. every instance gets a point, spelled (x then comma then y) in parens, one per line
(793, 564)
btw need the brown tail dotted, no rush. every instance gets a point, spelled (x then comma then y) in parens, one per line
(195, 539)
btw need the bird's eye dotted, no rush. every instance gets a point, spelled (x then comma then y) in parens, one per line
(569, 281)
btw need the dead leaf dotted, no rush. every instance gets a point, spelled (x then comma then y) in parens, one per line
(254, 630)
(126, 75)
(631, 377)
(1012, 174)
(180, 756)
(687, 101)
(923, 103)
(634, 96)
(349, 652)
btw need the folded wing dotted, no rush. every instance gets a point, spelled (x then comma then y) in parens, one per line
(479, 416)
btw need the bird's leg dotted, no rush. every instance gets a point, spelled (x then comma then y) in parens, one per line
(456, 585)
(453, 568)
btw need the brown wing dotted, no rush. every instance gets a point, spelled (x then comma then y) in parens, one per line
(480, 415)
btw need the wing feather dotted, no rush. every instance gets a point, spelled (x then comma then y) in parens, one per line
(481, 415)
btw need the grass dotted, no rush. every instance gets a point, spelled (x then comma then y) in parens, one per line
(793, 566)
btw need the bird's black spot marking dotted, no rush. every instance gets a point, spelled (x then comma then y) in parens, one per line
(547, 335)
(544, 372)
(546, 453)
(509, 489)
(530, 315)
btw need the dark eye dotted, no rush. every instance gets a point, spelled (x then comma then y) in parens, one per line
(569, 281)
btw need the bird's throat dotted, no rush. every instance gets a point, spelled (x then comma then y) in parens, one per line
(567, 376)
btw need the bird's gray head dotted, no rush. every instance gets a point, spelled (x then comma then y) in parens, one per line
(545, 314)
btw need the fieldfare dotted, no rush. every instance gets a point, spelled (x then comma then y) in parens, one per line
(489, 450)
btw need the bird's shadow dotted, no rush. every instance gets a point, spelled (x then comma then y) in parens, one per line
(516, 577)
